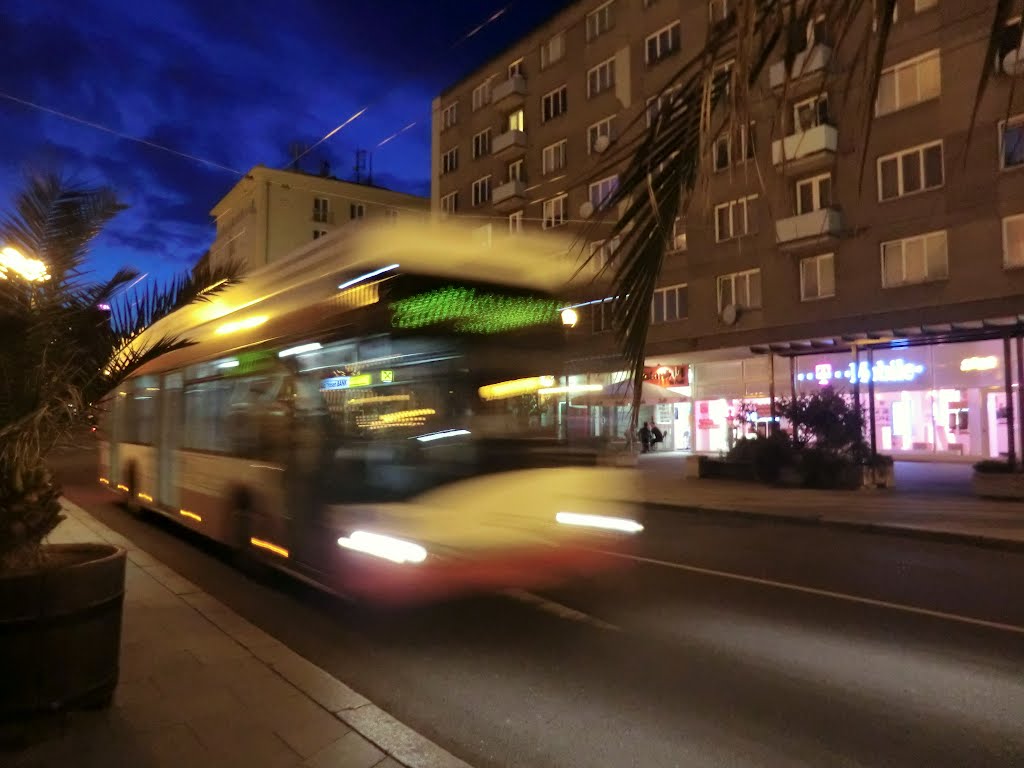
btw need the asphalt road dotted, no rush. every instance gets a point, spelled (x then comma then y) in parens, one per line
(730, 642)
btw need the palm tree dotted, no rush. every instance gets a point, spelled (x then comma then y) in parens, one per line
(669, 160)
(59, 342)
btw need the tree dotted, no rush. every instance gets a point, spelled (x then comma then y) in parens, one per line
(61, 350)
(669, 160)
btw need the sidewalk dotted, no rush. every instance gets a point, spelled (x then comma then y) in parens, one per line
(933, 501)
(202, 687)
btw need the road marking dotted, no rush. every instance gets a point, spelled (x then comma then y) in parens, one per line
(557, 609)
(826, 593)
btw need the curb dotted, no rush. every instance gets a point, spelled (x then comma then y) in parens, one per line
(392, 737)
(882, 529)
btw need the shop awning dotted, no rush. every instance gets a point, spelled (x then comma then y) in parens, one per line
(622, 394)
(909, 336)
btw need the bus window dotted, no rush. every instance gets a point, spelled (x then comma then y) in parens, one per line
(139, 404)
(206, 405)
(255, 421)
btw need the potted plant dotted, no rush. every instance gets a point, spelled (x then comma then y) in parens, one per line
(997, 480)
(60, 605)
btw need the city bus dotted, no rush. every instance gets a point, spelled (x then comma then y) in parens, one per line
(378, 415)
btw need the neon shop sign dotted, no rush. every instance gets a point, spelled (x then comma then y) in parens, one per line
(884, 372)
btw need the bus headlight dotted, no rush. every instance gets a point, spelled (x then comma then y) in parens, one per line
(386, 547)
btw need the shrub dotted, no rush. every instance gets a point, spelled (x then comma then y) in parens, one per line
(767, 454)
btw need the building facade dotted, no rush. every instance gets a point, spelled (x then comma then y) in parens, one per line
(808, 243)
(271, 212)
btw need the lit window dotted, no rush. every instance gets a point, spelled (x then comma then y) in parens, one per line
(909, 82)
(918, 259)
(662, 44)
(817, 277)
(910, 171)
(516, 121)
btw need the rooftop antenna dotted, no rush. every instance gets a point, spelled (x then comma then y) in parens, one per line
(360, 165)
(296, 150)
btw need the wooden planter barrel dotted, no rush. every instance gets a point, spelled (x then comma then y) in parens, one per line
(60, 630)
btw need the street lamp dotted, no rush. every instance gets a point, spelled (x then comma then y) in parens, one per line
(14, 261)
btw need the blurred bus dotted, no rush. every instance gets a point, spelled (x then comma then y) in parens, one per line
(379, 416)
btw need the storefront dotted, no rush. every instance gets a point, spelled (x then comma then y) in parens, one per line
(732, 401)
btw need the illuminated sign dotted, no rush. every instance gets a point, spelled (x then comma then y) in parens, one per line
(470, 311)
(345, 382)
(890, 372)
(989, 363)
(387, 377)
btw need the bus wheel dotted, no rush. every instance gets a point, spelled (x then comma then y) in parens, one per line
(131, 504)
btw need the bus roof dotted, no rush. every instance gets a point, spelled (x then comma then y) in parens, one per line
(281, 295)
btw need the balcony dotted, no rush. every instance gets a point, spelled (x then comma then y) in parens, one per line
(811, 227)
(509, 196)
(510, 92)
(804, 150)
(808, 62)
(508, 143)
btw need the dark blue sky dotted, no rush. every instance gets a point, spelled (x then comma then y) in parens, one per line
(233, 82)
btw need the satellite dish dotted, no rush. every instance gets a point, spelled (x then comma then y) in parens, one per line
(601, 143)
(730, 313)
(586, 208)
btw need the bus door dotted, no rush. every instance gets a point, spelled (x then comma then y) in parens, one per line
(169, 441)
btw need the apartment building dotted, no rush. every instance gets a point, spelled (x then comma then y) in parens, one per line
(271, 212)
(797, 267)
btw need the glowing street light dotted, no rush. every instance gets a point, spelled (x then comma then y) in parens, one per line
(13, 260)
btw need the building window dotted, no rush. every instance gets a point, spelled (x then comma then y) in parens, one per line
(909, 82)
(814, 194)
(817, 32)
(917, 259)
(356, 211)
(599, 135)
(481, 190)
(741, 289)
(1011, 143)
(662, 44)
(670, 304)
(925, 5)
(554, 211)
(450, 160)
(516, 121)
(604, 315)
(722, 79)
(483, 235)
(817, 277)
(321, 209)
(1013, 241)
(515, 222)
(600, 78)
(391, 214)
(678, 241)
(482, 95)
(601, 192)
(719, 10)
(599, 21)
(554, 104)
(736, 218)
(516, 170)
(553, 157)
(450, 203)
(448, 116)
(552, 50)
(482, 143)
(810, 113)
(723, 149)
(910, 171)
(318, 233)
(515, 69)
(657, 104)
(875, 14)
(601, 252)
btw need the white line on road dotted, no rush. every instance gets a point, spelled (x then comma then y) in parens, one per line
(557, 609)
(826, 593)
